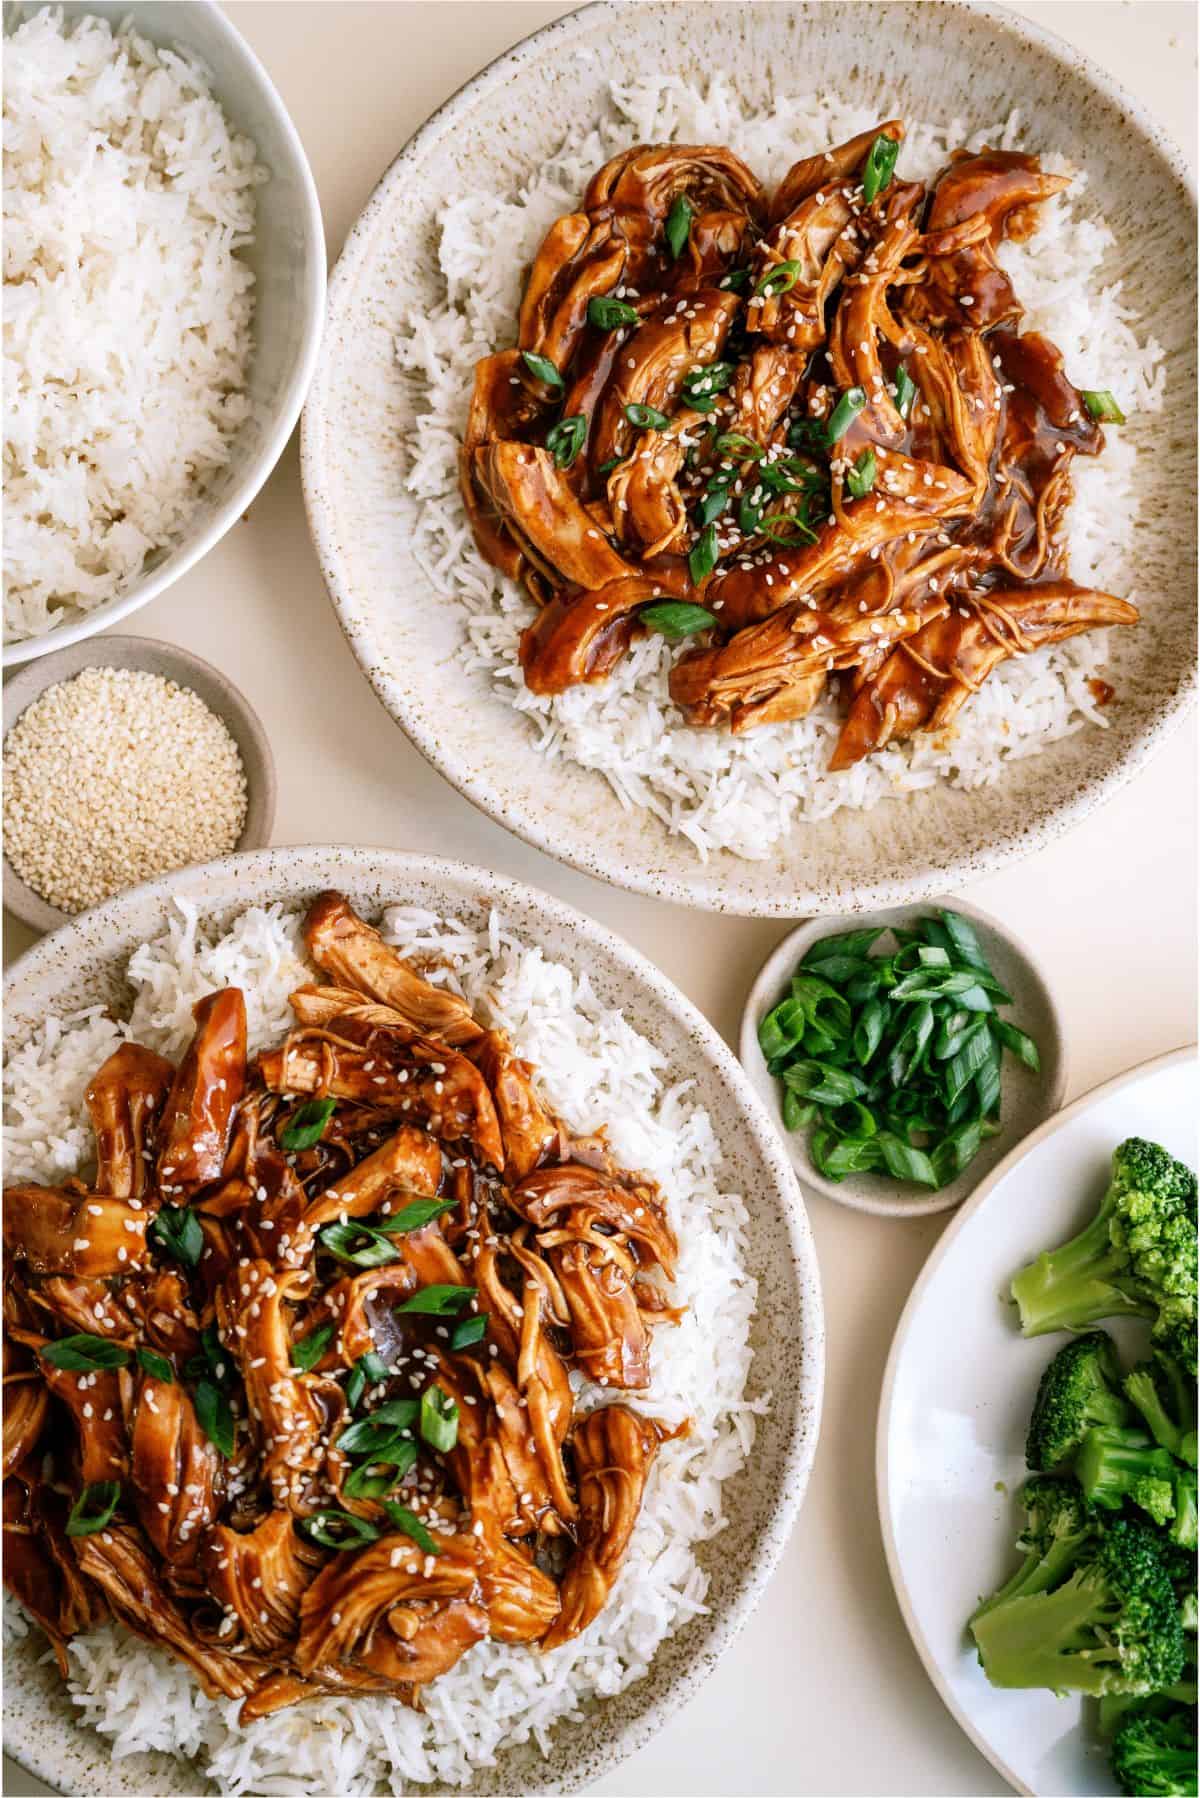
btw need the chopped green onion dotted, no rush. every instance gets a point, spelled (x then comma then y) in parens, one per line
(647, 418)
(844, 414)
(676, 619)
(439, 1419)
(892, 1061)
(84, 1354)
(1102, 406)
(309, 1350)
(613, 462)
(542, 367)
(470, 1331)
(410, 1525)
(733, 443)
(735, 280)
(606, 314)
(176, 1230)
(1020, 1045)
(906, 391)
(905, 1163)
(364, 1482)
(787, 528)
(156, 1365)
(796, 1113)
(861, 478)
(750, 511)
(369, 1370)
(338, 1529)
(679, 225)
(878, 168)
(437, 1301)
(780, 279)
(215, 1416)
(414, 1216)
(703, 557)
(808, 434)
(566, 439)
(94, 1508)
(701, 385)
(359, 1245)
(307, 1124)
(964, 940)
(716, 498)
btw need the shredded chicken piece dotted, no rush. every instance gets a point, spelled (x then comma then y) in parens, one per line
(614, 1450)
(816, 403)
(929, 677)
(360, 1315)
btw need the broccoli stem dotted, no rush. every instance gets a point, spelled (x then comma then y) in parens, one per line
(1073, 1286)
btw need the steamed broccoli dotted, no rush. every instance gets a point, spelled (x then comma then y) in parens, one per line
(1163, 1392)
(1112, 1625)
(1155, 1757)
(1058, 1524)
(1113, 1465)
(1080, 1389)
(1137, 1258)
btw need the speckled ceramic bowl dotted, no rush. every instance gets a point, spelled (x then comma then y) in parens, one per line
(217, 692)
(952, 61)
(82, 964)
(1027, 1099)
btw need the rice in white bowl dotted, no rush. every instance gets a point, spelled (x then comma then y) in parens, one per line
(128, 305)
(596, 1070)
(744, 793)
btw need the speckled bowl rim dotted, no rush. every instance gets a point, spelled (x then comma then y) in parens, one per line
(234, 710)
(274, 873)
(884, 1200)
(191, 549)
(707, 888)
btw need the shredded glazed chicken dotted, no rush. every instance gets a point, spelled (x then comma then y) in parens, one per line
(805, 430)
(288, 1389)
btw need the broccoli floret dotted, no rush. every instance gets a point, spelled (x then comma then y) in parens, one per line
(1155, 1757)
(1080, 1389)
(1113, 1625)
(1165, 1394)
(1058, 1524)
(1137, 1257)
(1183, 1527)
(1114, 1465)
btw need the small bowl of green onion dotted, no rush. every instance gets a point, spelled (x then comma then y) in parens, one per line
(903, 1053)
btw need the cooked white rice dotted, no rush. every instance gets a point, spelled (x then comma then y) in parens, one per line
(719, 791)
(597, 1070)
(127, 308)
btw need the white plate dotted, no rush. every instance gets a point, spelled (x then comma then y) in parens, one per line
(957, 1394)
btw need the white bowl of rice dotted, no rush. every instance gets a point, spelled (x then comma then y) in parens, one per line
(608, 776)
(164, 291)
(618, 1046)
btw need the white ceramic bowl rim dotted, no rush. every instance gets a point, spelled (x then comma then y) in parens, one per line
(281, 871)
(287, 407)
(704, 887)
(1084, 1102)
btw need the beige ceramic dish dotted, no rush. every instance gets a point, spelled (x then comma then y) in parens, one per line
(208, 683)
(83, 964)
(1027, 1100)
(955, 61)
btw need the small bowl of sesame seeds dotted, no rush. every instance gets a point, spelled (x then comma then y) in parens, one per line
(124, 758)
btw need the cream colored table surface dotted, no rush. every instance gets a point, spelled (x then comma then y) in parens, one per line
(823, 1692)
